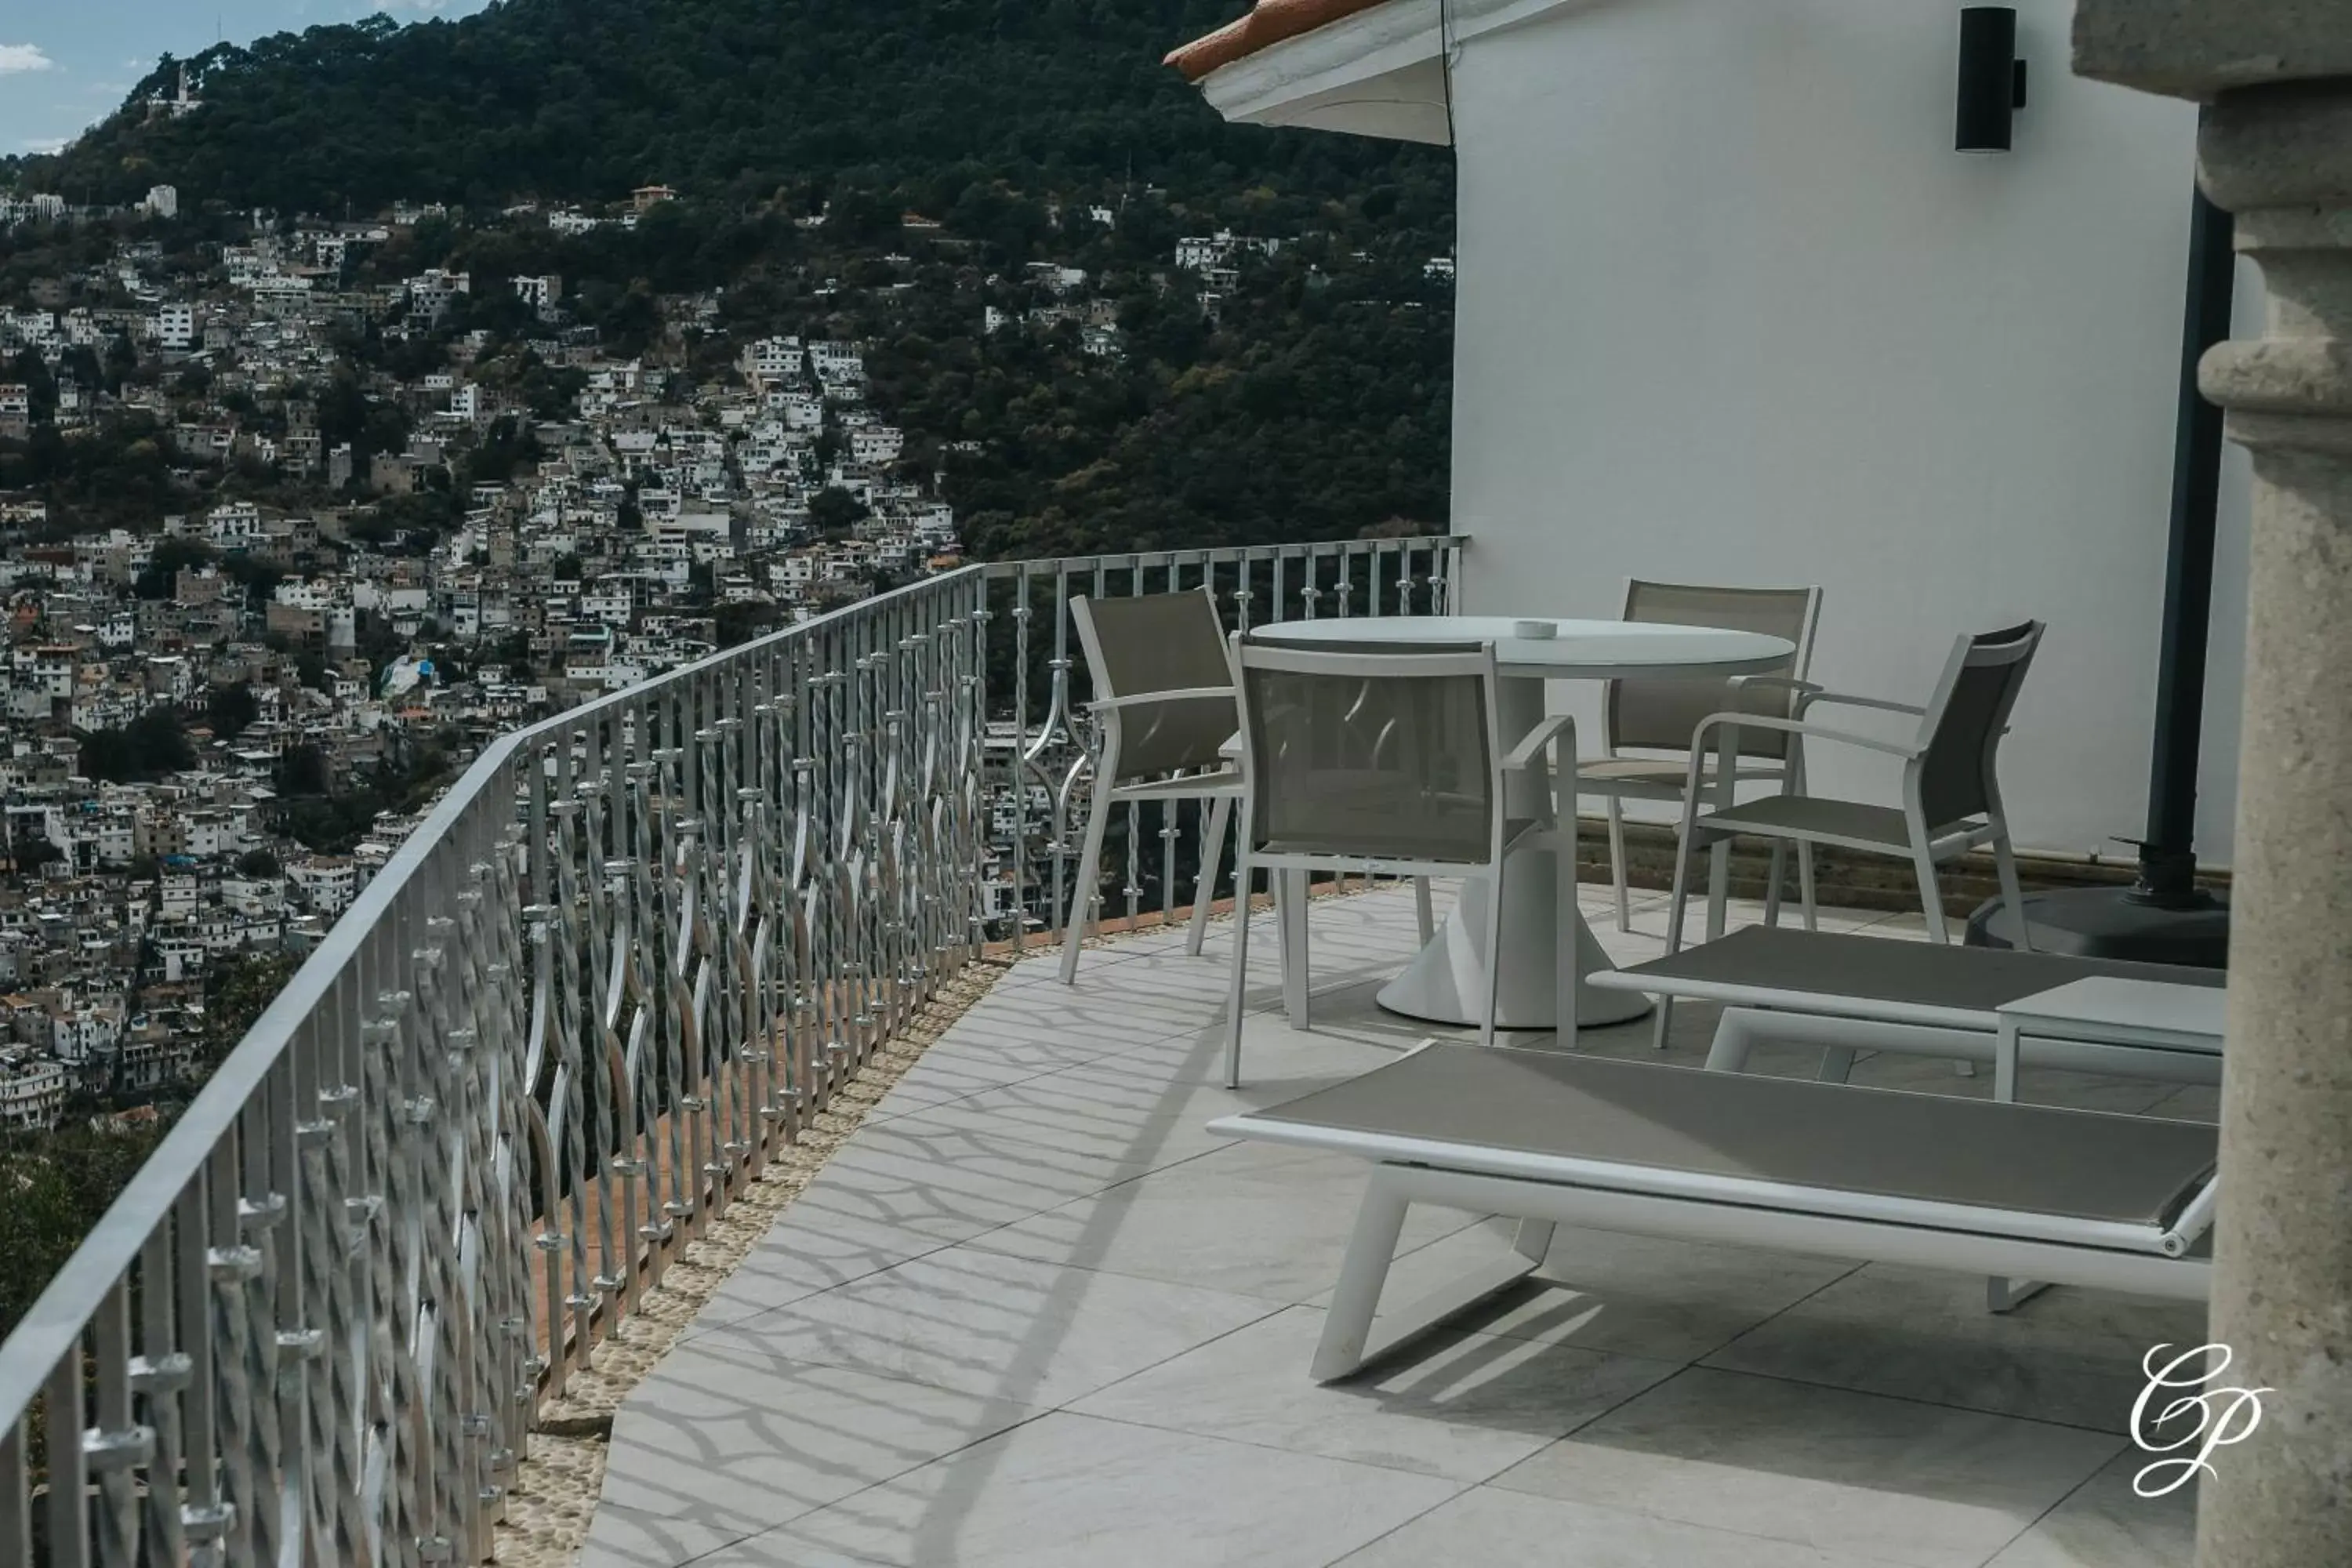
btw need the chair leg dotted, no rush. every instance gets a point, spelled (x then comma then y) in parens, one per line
(1239, 981)
(2004, 860)
(1564, 960)
(1493, 976)
(1204, 892)
(1931, 905)
(1424, 913)
(1617, 882)
(1793, 783)
(1931, 896)
(1772, 882)
(1290, 895)
(1082, 892)
(1675, 908)
(1718, 887)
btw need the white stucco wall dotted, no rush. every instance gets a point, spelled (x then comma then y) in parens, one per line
(1732, 309)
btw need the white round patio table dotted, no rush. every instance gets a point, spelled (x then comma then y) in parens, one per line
(1442, 983)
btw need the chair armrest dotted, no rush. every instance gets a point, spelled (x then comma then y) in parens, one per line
(1531, 745)
(1739, 683)
(1796, 727)
(1738, 687)
(1177, 694)
(1849, 699)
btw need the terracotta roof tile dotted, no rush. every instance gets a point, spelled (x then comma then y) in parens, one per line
(1269, 23)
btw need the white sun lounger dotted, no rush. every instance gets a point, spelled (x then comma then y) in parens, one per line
(1847, 992)
(1978, 1187)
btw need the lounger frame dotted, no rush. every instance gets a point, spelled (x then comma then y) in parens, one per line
(1842, 1024)
(1541, 1190)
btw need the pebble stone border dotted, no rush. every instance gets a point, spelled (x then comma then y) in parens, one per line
(555, 1492)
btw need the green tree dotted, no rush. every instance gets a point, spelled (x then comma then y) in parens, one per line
(833, 510)
(239, 986)
(165, 564)
(121, 365)
(739, 620)
(149, 747)
(232, 708)
(59, 1184)
(302, 770)
(258, 578)
(32, 853)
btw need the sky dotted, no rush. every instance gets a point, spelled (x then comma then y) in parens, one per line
(67, 63)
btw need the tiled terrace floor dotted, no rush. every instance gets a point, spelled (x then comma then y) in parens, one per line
(1034, 1314)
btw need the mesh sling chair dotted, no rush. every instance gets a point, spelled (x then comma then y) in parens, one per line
(1655, 718)
(1164, 701)
(1952, 799)
(1388, 762)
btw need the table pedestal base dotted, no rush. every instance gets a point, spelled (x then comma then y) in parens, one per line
(1444, 983)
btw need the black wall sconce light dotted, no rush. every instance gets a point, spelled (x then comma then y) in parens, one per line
(1993, 78)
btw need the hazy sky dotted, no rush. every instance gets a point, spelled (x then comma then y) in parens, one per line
(64, 63)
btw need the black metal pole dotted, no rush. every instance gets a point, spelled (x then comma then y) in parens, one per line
(2168, 855)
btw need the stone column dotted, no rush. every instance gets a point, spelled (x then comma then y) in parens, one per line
(2276, 150)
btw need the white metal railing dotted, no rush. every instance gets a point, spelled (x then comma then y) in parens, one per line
(1037, 691)
(632, 951)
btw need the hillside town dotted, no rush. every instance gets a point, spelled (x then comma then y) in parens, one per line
(408, 514)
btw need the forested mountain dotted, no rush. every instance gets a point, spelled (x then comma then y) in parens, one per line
(1311, 403)
(734, 98)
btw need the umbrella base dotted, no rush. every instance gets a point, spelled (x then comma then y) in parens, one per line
(2120, 924)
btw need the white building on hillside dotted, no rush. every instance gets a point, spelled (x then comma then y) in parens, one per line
(876, 444)
(542, 293)
(1218, 251)
(175, 328)
(772, 360)
(835, 361)
(233, 525)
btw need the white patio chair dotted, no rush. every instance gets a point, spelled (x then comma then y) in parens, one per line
(1387, 762)
(1652, 719)
(1950, 797)
(1164, 700)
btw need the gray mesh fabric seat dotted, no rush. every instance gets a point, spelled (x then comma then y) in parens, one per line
(1164, 706)
(1950, 797)
(1387, 762)
(1646, 725)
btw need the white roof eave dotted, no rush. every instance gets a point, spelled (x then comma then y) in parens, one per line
(1376, 73)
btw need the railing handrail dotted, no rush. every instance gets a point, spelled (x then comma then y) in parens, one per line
(1208, 554)
(62, 1309)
